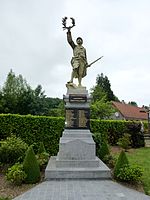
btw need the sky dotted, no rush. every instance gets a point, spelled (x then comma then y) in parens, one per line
(33, 44)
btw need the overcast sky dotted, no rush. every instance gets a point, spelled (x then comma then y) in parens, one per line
(33, 43)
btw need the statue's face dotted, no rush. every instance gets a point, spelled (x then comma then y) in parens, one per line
(79, 41)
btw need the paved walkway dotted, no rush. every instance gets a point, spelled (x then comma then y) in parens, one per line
(81, 190)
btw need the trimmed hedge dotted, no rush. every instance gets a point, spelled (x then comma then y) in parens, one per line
(33, 130)
(111, 130)
(36, 129)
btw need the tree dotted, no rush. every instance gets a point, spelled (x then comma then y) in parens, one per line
(103, 87)
(133, 103)
(18, 97)
(101, 109)
(55, 107)
(13, 88)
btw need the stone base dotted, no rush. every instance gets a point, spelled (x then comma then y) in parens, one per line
(77, 163)
(76, 172)
(76, 158)
(76, 145)
(77, 90)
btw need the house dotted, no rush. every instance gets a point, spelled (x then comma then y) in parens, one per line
(128, 112)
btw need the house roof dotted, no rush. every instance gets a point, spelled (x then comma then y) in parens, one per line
(129, 111)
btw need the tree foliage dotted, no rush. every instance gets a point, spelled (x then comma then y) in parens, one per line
(132, 103)
(101, 109)
(103, 87)
(102, 95)
(17, 97)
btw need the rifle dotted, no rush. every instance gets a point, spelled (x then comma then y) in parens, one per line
(94, 62)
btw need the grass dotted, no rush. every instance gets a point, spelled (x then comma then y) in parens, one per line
(141, 157)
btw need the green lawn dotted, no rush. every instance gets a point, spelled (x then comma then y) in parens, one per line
(141, 157)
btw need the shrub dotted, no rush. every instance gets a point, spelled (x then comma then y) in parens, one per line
(124, 142)
(137, 138)
(103, 151)
(130, 173)
(5, 198)
(16, 174)
(122, 160)
(97, 139)
(31, 167)
(110, 160)
(42, 156)
(42, 159)
(41, 148)
(12, 149)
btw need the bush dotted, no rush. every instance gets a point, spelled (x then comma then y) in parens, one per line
(42, 156)
(12, 149)
(16, 174)
(109, 160)
(103, 151)
(41, 148)
(97, 139)
(121, 162)
(137, 138)
(124, 142)
(130, 173)
(31, 167)
(42, 159)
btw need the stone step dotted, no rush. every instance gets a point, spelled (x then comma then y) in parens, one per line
(78, 133)
(77, 163)
(53, 172)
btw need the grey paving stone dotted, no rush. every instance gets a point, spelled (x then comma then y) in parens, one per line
(81, 190)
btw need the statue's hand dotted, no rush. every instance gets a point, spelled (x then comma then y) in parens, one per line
(68, 28)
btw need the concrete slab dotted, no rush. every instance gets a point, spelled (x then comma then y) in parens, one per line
(81, 190)
(52, 172)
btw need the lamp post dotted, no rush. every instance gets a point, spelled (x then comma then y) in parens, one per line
(147, 110)
(148, 118)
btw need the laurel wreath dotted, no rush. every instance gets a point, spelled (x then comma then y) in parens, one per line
(64, 21)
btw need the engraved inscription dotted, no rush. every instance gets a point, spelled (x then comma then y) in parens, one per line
(77, 98)
(69, 118)
(77, 118)
(82, 118)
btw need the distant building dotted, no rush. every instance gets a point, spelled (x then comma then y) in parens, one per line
(128, 112)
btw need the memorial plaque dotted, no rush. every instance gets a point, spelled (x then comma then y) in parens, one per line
(71, 118)
(77, 98)
(77, 118)
(83, 118)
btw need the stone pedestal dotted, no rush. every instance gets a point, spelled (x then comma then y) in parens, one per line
(76, 157)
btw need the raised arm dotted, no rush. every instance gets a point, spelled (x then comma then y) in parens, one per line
(69, 39)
